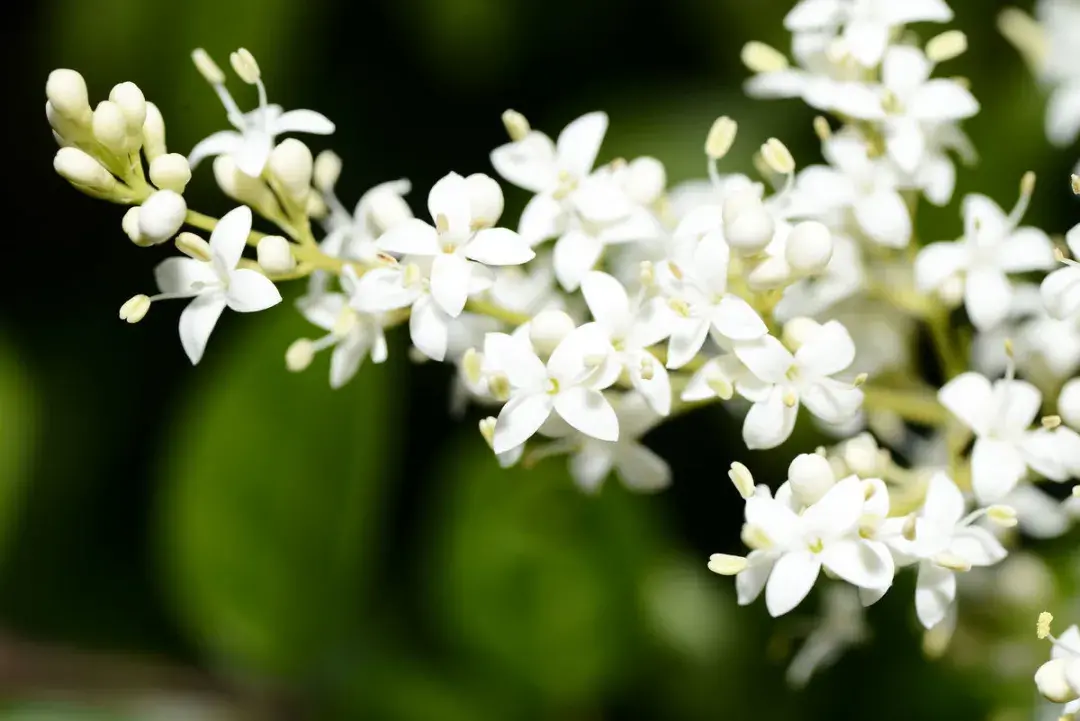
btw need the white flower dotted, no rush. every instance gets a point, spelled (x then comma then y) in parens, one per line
(696, 285)
(457, 245)
(408, 285)
(353, 235)
(783, 381)
(632, 328)
(570, 384)
(794, 546)
(1061, 68)
(1061, 289)
(1000, 416)
(866, 24)
(639, 468)
(945, 541)
(992, 247)
(353, 335)
(868, 186)
(250, 144)
(215, 283)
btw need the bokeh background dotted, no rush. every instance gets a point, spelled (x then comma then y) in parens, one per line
(235, 542)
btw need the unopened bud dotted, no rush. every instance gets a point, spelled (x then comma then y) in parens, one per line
(727, 565)
(244, 65)
(749, 229)
(761, 58)
(66, 91)
(778, 157)
(1069, 403)
(193, 246)
(485, 200)
(1052, 680)
(130, 224)
(316, 206)
(110, 128)
(517, 127)
(721, 137)
(300, 355)
(809, 248)
(242, 187)
(548, 328)
(742, 479)
(811, 477)
(946, 46)
(132, 102)
(170, 171)
(275, 255)
(388, 208)
(646, 180)
(207, 67)
(79, 168)
(327, 171)
(153, 133)
(292, 164)
(135, 308)
(161, 216)
(1002, 515)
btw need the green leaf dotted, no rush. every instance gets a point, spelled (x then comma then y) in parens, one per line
(272, 494)
(536, 580)
(18, 435)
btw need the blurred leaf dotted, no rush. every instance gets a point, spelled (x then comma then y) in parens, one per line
(272, 495)
(18, 418)
(536, 580)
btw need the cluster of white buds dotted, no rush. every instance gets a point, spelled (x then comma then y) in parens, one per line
(616, 302)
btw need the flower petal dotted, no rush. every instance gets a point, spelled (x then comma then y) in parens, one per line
(449, 197)
(520, 419)
(514, 356)
(576, 253)
(770, 422)
(528, 163)
(641, 469)
(498, 246)
(429, 328)
(1027, 249)
(884, 217)
(831, 400)
(687, 337)
(987, 295)
(866, 564)
(1063, 114)
(938, 262)
(970, 398)
(736, 320)
(250, 291)
(543, 218)
(837, 513)
(383, 289)
(224, 142)
(767, 358)
(450, 274)
(590, 466)
(579, 143)
(827, 351)
(944, 504)
(751, 580)
(935, 591)
(253, 153)
(1061, 292)
(303, 121)
(904, 69)
(996, 467)
(197, 321)
(977, 546)
(607, 301)
(657, 389)
(942, 100)
(230, 235)
(790, 581)
(178, 275)
(589, 412)
(411, 237)
(345, 360)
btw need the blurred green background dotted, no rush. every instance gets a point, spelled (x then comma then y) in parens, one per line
(236, 542)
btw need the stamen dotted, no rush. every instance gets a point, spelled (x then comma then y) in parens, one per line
(1027, 189)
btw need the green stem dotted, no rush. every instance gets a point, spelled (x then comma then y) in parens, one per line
(914, 406)
(952, 363)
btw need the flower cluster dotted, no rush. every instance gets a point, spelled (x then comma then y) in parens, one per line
(1059, 678)
(616, 302)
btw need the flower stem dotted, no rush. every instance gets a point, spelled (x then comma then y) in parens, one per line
(952, 364)
(914, 406)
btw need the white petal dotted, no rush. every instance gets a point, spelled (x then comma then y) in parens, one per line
(576, 253)
(197, 321)
(781, 84)
(867, 40)
(832, 401)
(591, 465)
(942, 100)
(543, 218)
(977, 546)
(983, 213)
(751, 580)
(1061, 292)
(1063, 114)
(837, 512)
(230, 235)
(346, 359)
(767, 358)
(938, 262)
(607, 301)
(906, 143)
(382, 289)
(652, 324)
(813, 15)
(579, 143)
(178, 275)
(1026, 250)
(514, 357)
(250, 291)
(774, 518)
(589, 412)
(791, 580)
(687, 337)
(657, 389)
(528, 163)
(987, 295)
(904, 69)
(253, 153)
(970, 398)
(411, 237)
(944, 504)
(498, 246)
(937, 178)
(449, 197)
(770, 422)
(303, 121)
(601, 200)
(640, 469)
(225, 142)
(567, 363)
(996, 467)
(429, 328)
(710, 263)
(885, 218)
(827, 352)
(935, 591)
(736, 320)
(450, 275)
(914, 11)
(865, 564)
(1017, 404)
(519, 420)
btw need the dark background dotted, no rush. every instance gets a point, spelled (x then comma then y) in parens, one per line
(251, 540)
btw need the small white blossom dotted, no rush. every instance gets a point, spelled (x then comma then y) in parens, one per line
(1061, 289)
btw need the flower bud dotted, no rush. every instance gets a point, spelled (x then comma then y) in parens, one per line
(170, 172)
(809, 248)
(548, 328)
(485, 200)
(388, 208)
(811, 477)
(327, 170)
(299, 355)
(135, 308)
(1052, 680)
(79, 168)
(193, 246)
(316, 206)
(207, 67)
(799, 330)
(153, 132)
(748, 225)
(130, 224)
(242, 187)
(243, 64)
(161, 216)
(66, 91)
(1069, 403)
(292, 164)
(132, 102)
(274, 254)
(646, 179)
(770, 274)
(110, 128)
